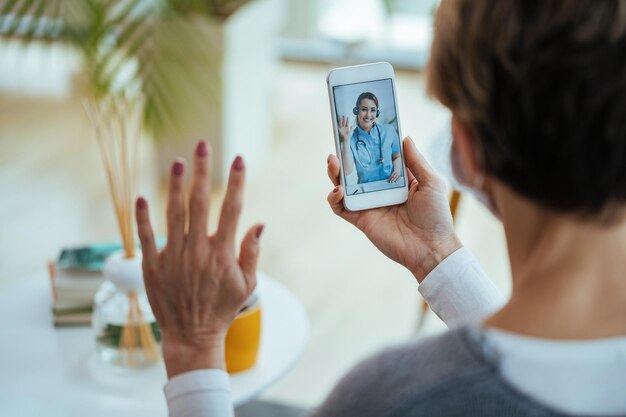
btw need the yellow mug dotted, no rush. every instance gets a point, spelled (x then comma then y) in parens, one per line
(243, 338)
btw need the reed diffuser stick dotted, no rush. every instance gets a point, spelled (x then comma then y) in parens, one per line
(116, 120)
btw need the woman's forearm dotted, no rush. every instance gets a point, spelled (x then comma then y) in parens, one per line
(180, 358)
(346, 157)
(397, 165)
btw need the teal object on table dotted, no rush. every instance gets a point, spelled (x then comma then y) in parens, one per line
(91, 258)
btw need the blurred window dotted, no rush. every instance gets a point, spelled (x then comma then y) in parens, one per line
(356, 31)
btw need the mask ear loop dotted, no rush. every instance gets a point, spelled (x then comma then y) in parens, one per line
(478, 181)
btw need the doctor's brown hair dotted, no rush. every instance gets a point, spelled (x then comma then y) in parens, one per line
(542, 85)
(364, 96)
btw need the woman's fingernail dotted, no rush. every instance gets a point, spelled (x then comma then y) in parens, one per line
(259, 231)
(201, 149)
(328, 159)
(141, 203)
(336, 189)
(178, 168)
(238, 163)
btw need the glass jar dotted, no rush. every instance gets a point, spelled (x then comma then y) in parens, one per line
(126, 331)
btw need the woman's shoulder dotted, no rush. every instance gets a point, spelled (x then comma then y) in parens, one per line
(422, 362)
(389, 378)
(388, 129)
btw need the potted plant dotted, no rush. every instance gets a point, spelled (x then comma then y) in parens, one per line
(198, 65)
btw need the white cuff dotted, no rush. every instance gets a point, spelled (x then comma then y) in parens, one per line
(459, 291)
(202, 393)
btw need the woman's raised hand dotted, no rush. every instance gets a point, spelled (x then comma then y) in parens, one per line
(197, 284)
(418, 234)
(345, 129)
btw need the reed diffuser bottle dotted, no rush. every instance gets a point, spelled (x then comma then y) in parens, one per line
(125, 329)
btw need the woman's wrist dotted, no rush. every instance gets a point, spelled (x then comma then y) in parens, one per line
(181, 357)
(437, 252)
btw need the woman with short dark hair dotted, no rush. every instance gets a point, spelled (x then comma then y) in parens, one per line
(537, 91)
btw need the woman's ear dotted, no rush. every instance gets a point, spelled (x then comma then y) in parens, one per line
(466, 163)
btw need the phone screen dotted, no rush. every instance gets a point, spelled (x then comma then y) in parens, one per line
(367, 123)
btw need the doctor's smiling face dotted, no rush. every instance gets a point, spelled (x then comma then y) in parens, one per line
(366, 115)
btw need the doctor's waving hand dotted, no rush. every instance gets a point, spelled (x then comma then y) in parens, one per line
(372, 148)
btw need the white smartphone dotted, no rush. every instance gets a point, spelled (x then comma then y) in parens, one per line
(367, 133)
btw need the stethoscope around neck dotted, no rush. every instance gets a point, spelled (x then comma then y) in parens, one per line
(361, 141)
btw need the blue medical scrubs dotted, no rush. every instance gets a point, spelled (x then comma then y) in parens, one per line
(366, 152)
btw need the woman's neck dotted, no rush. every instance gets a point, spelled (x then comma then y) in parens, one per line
(569, 275)
(366, 129)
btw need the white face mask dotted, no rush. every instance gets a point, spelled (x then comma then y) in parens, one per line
(475, 186)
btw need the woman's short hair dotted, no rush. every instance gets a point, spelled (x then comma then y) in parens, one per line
(366, 96)
(542, 85)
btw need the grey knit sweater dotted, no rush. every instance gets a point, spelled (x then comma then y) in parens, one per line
(454, 374)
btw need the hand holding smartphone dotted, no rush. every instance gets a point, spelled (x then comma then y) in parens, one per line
(367, 135)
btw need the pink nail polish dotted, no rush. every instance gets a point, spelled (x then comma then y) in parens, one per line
(141, 203)
(177, 168)
(201, 149)
(238, 163)
(259, 230)
(336, 189)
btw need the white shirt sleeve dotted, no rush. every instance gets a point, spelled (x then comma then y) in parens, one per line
(202, 393)
(459, 291)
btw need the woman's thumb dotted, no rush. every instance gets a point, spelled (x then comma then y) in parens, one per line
(415, 161)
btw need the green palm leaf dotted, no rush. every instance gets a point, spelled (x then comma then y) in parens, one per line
(161, 49)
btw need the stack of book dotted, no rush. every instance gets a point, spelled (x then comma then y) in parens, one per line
(76, 277)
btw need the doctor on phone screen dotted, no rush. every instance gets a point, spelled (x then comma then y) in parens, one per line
(373, 148)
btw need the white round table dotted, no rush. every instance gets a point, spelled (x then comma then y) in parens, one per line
(48, 371)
